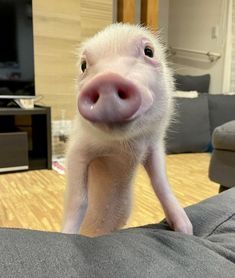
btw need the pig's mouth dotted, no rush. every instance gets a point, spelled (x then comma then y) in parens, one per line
(118, 129)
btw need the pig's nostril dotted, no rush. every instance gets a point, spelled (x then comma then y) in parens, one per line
(94, 98)
(122, 94)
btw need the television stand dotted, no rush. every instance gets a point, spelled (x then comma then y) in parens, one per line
(24, 103)
(25, 138)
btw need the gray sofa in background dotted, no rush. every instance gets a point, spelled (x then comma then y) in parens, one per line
(196, 118)
(205, 124)
(222, 164)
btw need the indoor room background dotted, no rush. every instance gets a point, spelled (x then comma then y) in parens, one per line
(199, 40)
(59, 27)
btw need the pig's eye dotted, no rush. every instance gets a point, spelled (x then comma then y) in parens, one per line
(148, 51)
(83, 66)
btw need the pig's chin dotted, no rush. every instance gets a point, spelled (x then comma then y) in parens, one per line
(109, 126)
(119, 130)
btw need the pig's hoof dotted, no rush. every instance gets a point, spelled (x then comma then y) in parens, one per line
(180, 223)
(69, 230)
(184, 227)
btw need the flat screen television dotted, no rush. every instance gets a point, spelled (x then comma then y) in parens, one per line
(16, 49)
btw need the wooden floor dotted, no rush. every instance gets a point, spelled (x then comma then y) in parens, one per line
(34, 199)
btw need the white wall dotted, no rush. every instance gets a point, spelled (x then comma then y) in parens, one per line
(232, 80)
(190, 26)
(163, 20)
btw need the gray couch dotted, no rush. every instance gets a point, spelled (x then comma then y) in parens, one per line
(195, 120)
(150, 251)
(199, 121)
(222, 164)
(206, 124)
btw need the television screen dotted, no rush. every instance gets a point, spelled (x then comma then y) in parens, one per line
(8, 52)
(16, 49)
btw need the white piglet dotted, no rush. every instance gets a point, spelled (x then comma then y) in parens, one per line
(124, 106)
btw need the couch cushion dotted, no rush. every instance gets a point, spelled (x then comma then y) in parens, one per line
(224, 137)
(190, 129)
(221, 109)
(199, 83)
(222, 167)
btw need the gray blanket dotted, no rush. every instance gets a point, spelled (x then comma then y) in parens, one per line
(149, 251)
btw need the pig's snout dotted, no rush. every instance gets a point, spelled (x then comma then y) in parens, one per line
(109, 98)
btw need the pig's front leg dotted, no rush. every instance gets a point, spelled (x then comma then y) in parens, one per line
(156, 169)
(76, 201)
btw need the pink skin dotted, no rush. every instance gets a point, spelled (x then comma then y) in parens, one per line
(124, 104)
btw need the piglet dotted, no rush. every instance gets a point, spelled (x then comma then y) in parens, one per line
(124, 105)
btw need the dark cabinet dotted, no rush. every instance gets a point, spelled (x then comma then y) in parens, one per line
(25, 139)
